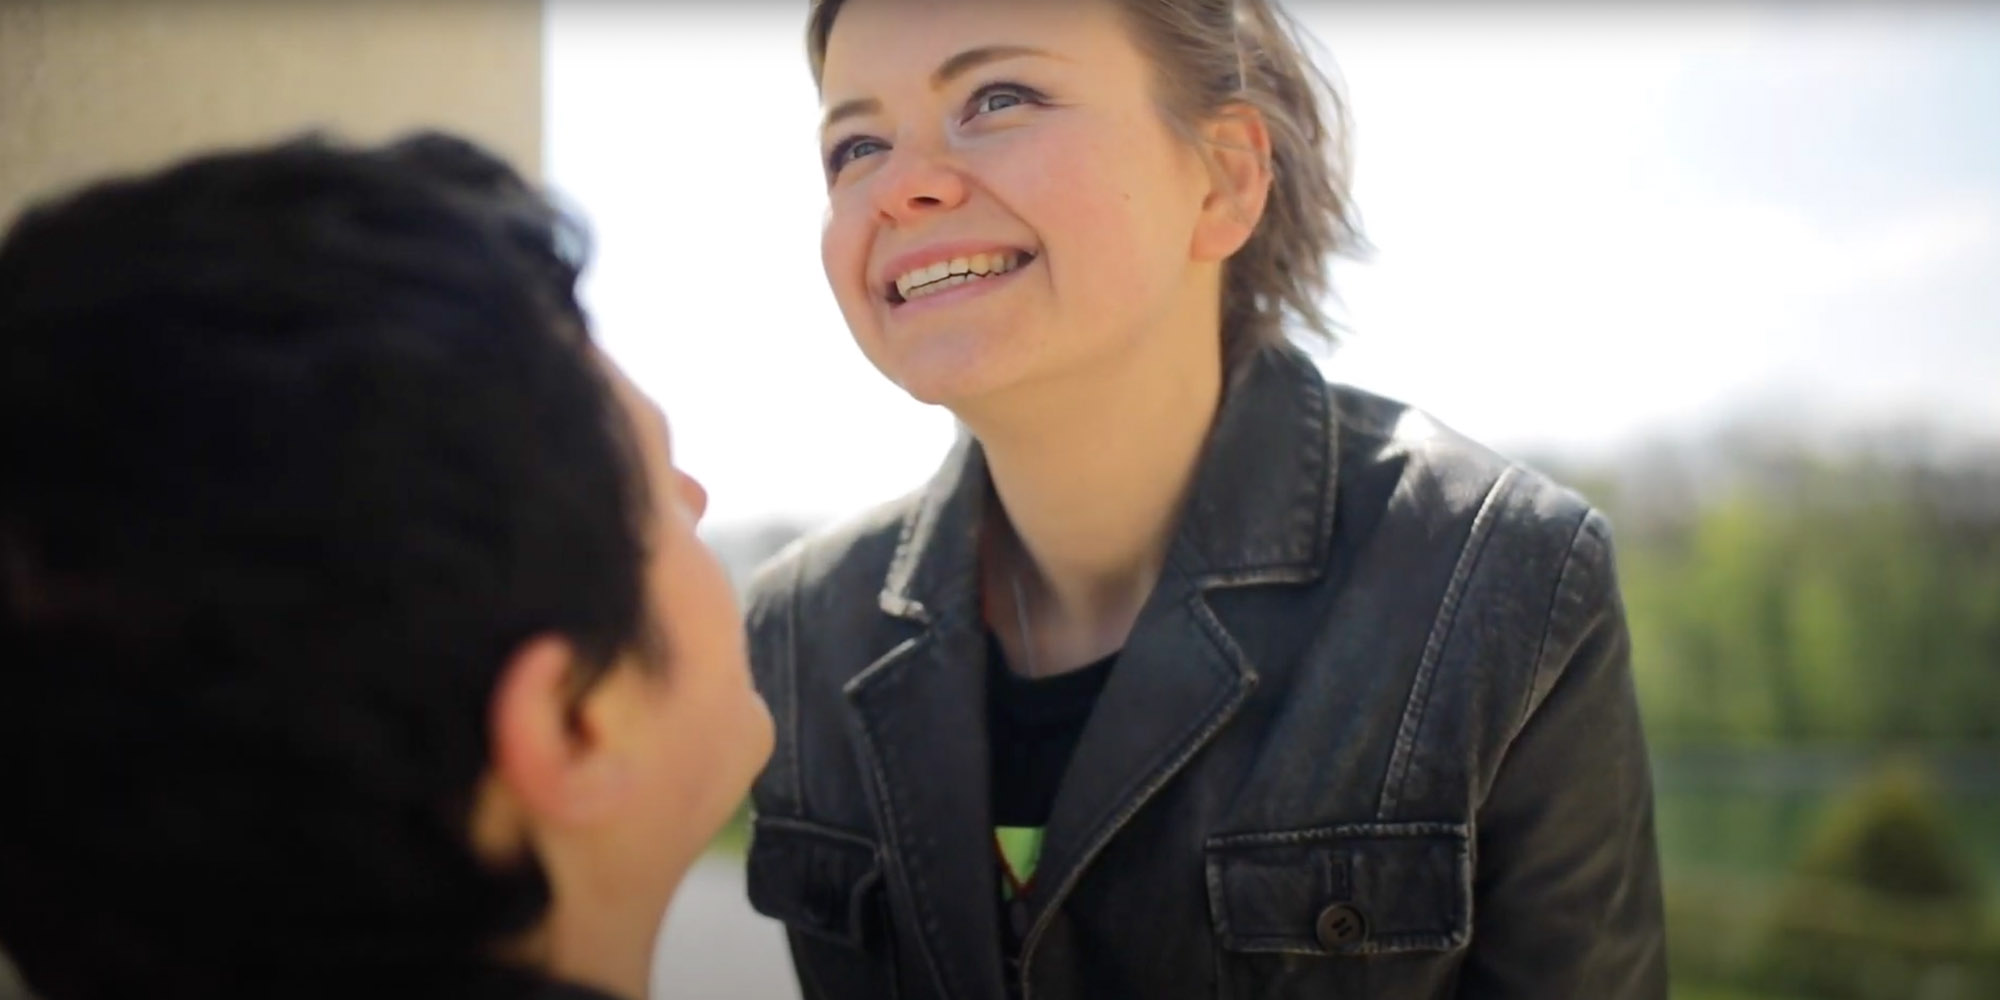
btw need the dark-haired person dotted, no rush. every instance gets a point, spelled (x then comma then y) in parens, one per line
(355, 638)
(1190, 675)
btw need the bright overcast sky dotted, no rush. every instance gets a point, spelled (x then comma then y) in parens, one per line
(1591, 227)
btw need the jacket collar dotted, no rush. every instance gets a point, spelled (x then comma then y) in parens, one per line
(1260, 510)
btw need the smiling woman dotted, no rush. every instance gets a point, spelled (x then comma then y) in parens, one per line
(1058, 123)
(1189, 673)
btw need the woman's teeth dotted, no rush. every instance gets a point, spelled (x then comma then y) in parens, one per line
(957, 271)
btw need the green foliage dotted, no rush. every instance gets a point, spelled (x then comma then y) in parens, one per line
(1803, 599)
(1683, 991)
(1795, 612)
(1886, 903)
(1714, 924)
(1881, 902)
(1892, 837)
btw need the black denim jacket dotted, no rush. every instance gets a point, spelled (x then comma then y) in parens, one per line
(1373, 735)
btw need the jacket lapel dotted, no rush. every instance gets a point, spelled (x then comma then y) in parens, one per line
(1259, 512)
(918, 717)
(1178, 681)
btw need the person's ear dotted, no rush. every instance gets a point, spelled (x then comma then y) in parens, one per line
(554, 749)
(1236, 144)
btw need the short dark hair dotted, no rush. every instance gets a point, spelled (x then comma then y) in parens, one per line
(300, 442)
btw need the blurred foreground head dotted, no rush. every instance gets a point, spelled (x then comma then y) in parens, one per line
(354, 635)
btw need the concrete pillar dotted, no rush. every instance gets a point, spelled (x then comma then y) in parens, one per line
(90, 87)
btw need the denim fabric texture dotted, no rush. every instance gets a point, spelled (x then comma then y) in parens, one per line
(1374, 735)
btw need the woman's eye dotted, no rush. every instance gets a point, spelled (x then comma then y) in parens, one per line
(1000, 97)
(849, 150)
(999, 101)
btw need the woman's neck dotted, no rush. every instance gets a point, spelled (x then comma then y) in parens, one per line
(1090, 475)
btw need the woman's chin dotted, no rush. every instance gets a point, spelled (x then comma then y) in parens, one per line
(956, 373)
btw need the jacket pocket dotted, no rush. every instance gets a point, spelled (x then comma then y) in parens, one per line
(818, 880)
(825, 886)
(1356, 890)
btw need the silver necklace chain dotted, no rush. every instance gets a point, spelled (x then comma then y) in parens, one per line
(1021, 622)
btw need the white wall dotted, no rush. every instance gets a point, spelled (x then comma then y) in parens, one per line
(93, 87)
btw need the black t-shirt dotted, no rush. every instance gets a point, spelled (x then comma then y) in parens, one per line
(1032, 727)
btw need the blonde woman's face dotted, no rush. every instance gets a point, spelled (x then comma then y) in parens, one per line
(1006, 203)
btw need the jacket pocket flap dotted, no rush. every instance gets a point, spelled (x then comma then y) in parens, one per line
(1362, 889)
(814, 878)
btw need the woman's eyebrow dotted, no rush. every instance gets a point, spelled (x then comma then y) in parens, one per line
(972, 59)
(947, 71)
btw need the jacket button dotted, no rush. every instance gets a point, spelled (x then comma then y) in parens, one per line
(1341, 924)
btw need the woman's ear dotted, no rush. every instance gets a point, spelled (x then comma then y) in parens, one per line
(1236, 144)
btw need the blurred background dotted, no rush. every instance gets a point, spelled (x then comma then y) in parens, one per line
(1731, 271)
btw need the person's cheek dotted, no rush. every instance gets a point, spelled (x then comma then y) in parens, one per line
(843, 250)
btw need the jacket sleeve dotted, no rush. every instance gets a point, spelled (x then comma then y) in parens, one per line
(1567, 899)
